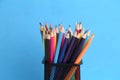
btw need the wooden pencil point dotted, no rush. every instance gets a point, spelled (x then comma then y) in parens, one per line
(80, 25)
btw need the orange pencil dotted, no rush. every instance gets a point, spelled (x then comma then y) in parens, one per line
(77, 61)
(54, 33)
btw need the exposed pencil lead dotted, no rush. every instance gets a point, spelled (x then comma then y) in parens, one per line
(46, 26)
(50, 26)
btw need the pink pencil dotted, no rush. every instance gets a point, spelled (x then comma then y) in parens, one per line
(51, 47)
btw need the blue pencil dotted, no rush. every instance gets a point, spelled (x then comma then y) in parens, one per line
(69, 48)
(61, 56)
(77, 51)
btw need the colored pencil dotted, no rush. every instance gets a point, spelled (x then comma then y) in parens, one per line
(59, 43)
(51, 47)
(63, 37)
(47, 52)
(77, 73)
(62, 54)
(77, 61)
(78, 49)
(54, 33)
(73, 48)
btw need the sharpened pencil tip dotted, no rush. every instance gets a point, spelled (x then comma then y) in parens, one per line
(93, 35)
(80, 25)
(40, 23)
(87, 33)
(80, 22)
(61, 28)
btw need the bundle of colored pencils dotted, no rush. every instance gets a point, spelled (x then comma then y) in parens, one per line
(64, 47)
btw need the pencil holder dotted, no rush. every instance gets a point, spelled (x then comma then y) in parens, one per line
(61, 70)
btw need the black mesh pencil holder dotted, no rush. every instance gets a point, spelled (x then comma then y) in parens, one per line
(60, 71)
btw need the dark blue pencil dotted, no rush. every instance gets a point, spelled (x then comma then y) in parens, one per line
(69, 48)
(62, 53)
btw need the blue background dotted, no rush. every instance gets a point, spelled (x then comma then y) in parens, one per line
(21, 50)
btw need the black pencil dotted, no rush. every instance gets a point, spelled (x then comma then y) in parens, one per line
(47, 56)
